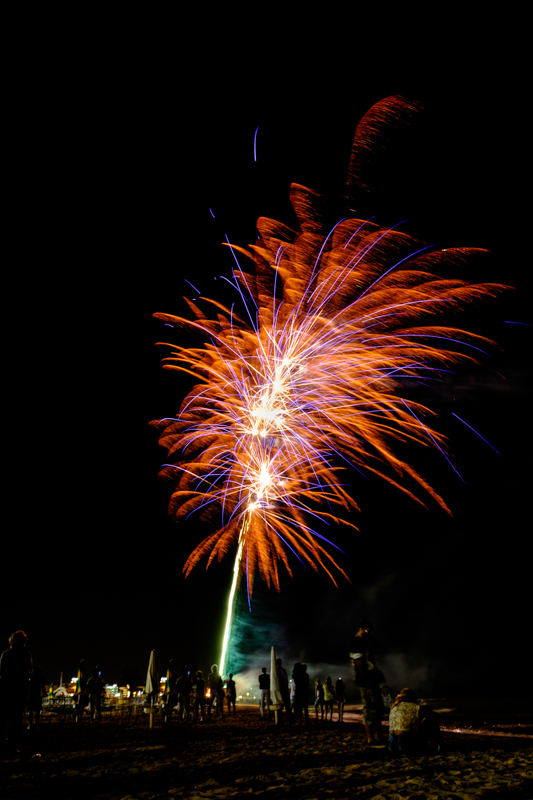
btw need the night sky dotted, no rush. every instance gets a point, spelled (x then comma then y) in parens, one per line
(118, 168)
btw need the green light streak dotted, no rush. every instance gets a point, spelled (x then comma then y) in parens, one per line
(236, 567)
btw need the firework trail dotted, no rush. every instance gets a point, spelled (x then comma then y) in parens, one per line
(308, 378)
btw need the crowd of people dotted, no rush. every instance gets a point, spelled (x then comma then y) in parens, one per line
(295, 694)
(192, 697)
(411, 725)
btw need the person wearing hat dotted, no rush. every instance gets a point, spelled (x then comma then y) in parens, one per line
(368, 678)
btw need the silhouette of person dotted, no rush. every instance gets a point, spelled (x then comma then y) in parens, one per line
(301, 692)
(82, 690)
(35, 699)
(264, 687)
(284, 688)
(15, 672)
(411, 726)
(368, 678)
(171, 696)
(199, 696)
(231, 693)
(95, 686)
(319, 698)
(183, 688)
(329, 696)
(217, 693)
(340, 697)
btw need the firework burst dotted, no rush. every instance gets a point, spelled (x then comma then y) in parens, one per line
(308, 378)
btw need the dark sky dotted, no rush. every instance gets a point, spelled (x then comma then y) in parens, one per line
(117, 170)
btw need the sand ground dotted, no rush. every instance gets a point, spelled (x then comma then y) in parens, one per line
(245, 755)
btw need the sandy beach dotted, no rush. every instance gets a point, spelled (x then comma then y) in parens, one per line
(121, 759)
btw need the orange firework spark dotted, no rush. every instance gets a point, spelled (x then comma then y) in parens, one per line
(308, 378)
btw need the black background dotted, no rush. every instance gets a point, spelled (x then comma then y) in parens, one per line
(122, 142)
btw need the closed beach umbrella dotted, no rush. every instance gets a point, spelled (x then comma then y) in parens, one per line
(170, 675)
(151, 677)
(275, 692)
(152, 684)
(81, 671)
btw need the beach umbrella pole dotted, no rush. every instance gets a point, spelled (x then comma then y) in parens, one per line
(275, 693)
(150, 686)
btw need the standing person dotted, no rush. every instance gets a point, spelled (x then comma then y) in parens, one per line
(169, 698)
(35, 699)
(15, 671)
(319, 698)
(292, 693)
(340, 697)
(172, 693)
(183, 688)
(217, 693)
(368, 679)
(284, 688)
(329, 696)
(231, 693)
(95, 687)
(199, 696)
(264, 686)
(300, 679)
(81, 690)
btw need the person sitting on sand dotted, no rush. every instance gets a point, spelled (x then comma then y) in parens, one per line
(411, 726)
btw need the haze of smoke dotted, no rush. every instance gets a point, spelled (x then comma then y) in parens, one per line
(400, 670)
(404, 662)
(405, 670)
(247, 681)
